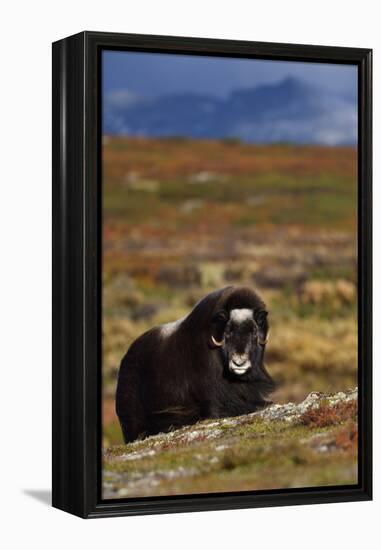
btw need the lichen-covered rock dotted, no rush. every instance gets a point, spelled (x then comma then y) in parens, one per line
(291, 412)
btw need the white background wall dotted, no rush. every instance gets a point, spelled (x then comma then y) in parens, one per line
(27, 29)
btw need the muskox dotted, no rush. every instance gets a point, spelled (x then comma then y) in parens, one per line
(208, 364)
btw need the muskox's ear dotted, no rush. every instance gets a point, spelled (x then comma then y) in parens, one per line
(260, 317)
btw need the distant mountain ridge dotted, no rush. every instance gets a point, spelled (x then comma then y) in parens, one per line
(287, 111)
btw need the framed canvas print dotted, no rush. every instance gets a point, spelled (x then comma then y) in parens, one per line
(211, 274)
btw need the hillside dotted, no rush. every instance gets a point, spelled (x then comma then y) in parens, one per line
(310, 444)
(184, 217)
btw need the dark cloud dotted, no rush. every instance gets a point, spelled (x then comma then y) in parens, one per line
(162, 74)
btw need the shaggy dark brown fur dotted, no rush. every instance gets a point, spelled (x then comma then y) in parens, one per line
(178, 374)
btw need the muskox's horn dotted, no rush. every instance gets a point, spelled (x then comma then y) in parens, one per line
(216, 343)
(264, 342)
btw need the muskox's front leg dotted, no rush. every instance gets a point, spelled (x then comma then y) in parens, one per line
(212, 409)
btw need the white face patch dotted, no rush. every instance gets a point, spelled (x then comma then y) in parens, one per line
(240, 315)
(239, 363)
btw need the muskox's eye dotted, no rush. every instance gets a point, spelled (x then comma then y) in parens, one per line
(220, 317)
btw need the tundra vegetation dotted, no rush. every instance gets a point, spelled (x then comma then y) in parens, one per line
(184, 217)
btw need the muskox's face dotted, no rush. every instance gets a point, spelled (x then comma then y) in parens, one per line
(239, 334)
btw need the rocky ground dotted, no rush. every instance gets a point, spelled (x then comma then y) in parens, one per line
(313, 443)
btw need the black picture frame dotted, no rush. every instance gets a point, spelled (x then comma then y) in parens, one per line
(77, 268)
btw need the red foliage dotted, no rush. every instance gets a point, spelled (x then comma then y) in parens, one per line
(328, 415)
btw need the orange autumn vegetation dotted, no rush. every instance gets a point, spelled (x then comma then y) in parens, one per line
(171, 158)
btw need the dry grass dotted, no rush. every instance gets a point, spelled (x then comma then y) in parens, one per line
(168, 158)
(347, 438)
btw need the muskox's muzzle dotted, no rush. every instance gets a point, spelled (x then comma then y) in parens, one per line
(239, 363)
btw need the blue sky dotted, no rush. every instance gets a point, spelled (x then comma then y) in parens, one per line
(149, 74)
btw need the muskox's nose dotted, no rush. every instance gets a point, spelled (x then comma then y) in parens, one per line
(239, 360)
